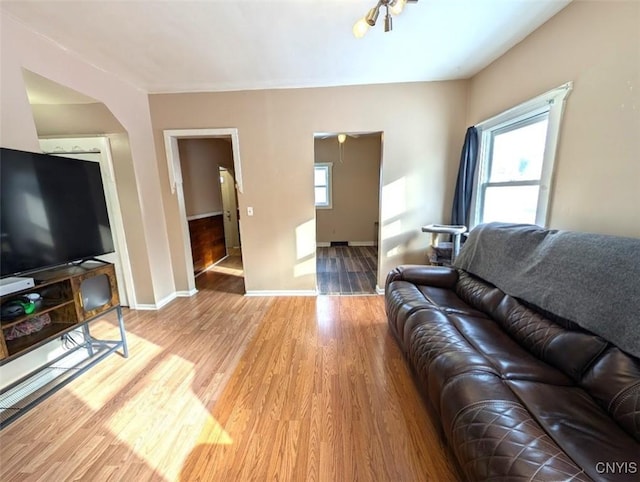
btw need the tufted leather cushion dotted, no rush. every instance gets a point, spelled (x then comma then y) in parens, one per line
(512, 360)
(402, 299)
(582, 428)
(614, 382)
(428, 340)
(478, 293)
(429, 317)
(521, 393)
(499, 441)
(443, 346)
(570, 351)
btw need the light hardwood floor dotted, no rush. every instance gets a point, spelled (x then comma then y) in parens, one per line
(223, 387)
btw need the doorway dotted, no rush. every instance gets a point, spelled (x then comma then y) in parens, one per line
(347, 171)
(177, 183)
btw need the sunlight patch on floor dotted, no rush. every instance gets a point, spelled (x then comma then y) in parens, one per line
(97, 390)
(168, 400)
(226, 270)
(230, 265)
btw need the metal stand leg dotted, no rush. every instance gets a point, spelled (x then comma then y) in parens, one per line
(456, 246)
(25, 393)
(87, 338)
(123, 336)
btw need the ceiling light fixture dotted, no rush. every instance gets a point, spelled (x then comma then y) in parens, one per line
(392, 7)
(341, 139)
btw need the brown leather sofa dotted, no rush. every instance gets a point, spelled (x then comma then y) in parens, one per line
(521, 394)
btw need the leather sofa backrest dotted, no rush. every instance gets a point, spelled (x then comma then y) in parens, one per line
(609, 375)
(569, 351)
(614, 381)
(478, 293)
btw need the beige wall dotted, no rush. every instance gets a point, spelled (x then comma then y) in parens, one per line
(356, 188)
(20, 48)
(132, 218)
(597, 46)
(423, 126)
(200, 160)
(93, 119)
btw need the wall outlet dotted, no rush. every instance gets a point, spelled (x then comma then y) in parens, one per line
(249, 211)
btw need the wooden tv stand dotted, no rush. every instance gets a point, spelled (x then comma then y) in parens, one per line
(60, 311)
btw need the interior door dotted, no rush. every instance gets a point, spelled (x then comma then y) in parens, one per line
(230, 211)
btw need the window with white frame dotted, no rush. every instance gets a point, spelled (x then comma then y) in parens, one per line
(322, 184)
(515, 164)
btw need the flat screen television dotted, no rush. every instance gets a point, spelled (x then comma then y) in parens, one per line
(52, 212)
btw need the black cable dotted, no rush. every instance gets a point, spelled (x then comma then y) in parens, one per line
(69, 342)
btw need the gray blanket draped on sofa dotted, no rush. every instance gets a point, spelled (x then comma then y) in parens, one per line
(591, 279)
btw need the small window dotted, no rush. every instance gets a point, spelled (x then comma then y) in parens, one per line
(516, 157)
(322, 184)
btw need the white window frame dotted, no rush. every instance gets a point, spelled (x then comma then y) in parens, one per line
(551, 102)
(328, 167)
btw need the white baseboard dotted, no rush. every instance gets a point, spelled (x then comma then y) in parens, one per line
(186, 294)
(379, 290)
(166, 300)
(281, 293)
(322, 244)
(156, 306)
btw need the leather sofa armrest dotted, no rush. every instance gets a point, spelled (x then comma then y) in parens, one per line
(438, 276)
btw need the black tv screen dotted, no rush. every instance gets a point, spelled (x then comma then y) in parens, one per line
(52, 211)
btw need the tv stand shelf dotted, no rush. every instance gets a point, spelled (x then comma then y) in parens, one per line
(72, 297)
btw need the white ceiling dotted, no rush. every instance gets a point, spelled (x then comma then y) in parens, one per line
(217, 45)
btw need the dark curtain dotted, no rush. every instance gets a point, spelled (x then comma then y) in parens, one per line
(464, 185)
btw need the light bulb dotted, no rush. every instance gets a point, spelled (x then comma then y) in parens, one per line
(342, 138)
(360, 28)
(372, 15)
(388, 23)
(397, 7)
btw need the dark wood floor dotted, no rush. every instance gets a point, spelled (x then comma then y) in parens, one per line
(347, 269)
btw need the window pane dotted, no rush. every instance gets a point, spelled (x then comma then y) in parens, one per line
(320, 176)
(321, 196)
(518, 154)
(511, 204)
